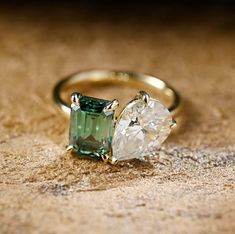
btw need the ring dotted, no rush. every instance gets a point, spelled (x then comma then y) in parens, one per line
(95, 130)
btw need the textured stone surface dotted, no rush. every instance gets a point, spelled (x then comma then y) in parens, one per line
(141, 129)
(188, 187)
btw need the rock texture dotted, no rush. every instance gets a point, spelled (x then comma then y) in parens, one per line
(188, 187)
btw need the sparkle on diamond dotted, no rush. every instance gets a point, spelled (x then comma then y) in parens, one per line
(141, 129)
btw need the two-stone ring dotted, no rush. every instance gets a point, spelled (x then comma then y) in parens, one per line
(96, 131)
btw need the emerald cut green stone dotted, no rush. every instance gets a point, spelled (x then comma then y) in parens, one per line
(91, 130)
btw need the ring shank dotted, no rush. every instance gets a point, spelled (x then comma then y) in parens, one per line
(122, 76)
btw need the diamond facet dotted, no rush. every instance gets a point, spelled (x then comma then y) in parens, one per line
(141, 129)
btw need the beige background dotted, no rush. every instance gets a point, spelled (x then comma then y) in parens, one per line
(188, 187)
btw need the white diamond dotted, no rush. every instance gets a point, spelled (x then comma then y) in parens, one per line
(141, 129)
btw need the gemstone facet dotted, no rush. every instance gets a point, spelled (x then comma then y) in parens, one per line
(91, 129)
(141, 129)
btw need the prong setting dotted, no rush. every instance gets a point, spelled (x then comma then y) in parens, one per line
(105, 157)
(141, 107)
(143, 96)
(174, 124)
(69, 148)
(75, 99)
(113, 160)
(111, 107)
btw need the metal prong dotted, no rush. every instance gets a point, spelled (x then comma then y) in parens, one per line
(69, 148)
(111, 106)
(144, 96)
(113, 160)
(173, 124)
(75, 98)
(105, 157)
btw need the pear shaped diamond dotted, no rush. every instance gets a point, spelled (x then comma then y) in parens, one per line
(141, 129)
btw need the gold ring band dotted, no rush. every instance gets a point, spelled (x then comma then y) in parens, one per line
(95, 129)
(121, 76)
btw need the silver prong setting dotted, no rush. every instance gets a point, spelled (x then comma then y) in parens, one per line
(173, 124)
(143, 96)
(111, 107)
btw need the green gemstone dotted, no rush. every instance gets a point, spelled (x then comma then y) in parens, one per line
(91, 130)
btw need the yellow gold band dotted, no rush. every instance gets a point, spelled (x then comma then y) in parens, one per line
(116, 76)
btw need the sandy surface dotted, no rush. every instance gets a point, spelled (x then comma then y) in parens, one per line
(189, 187)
